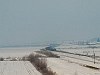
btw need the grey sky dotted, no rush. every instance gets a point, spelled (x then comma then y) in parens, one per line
(34, 21)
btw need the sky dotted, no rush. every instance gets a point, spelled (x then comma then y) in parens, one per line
(40, 21)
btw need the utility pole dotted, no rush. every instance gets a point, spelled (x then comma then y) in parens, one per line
(93, 56)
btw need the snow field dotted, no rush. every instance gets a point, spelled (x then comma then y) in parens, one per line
(62, 67)
(17, 68)
(17, 52)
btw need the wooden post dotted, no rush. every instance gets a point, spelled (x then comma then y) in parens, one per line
(94, 58)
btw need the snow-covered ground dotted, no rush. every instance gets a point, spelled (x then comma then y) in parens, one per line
(18, 51)
(80, 49)
(62, 67)
(78, 57)
(68, 64)
(17, 68)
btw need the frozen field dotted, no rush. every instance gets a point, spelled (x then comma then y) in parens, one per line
(80, 49)
(62, 67)
(18, 51)
(17, 68)
(67, 64)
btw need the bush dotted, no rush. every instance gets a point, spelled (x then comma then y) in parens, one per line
(1, 59)
(40, 64)
(48, 53)
(33, 57)
(14, 59)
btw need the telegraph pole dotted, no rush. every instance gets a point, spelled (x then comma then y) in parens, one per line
(93, 56)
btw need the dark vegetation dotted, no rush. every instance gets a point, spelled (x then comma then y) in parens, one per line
(37, 60)
(40, 64)
(1, 59)
(48, 53)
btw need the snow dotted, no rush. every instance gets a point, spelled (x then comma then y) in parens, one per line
(17, 68)
(79, 49)
(17, 52)
(68, 64)
(62, 67)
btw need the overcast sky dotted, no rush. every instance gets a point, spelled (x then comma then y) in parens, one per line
(35, 21)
